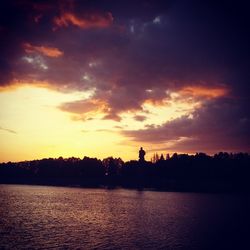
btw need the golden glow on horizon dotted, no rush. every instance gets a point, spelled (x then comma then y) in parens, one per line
(32, 126)
(44, 131)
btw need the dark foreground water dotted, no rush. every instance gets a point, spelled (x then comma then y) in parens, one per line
(36, 217)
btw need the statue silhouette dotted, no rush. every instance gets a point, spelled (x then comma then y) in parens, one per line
(141, 154)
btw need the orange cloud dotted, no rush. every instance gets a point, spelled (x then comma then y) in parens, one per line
(85, 109)
(200, 91)
(82, 106)
(47, 51)
(88, 21)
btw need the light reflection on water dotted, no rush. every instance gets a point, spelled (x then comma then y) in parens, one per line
(36, 217)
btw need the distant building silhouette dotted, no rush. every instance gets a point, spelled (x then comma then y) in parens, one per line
(141, 154)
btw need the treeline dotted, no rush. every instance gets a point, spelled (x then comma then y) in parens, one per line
(200, 172)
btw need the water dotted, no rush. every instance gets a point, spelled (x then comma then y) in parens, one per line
(40, 217)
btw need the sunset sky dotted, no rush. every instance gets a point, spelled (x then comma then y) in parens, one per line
(103, 78)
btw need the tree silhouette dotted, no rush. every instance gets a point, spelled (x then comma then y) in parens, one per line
(181, 172)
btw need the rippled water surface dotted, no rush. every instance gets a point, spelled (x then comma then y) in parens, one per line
(36, 217)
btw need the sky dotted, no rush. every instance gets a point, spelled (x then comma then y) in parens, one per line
(103, 78)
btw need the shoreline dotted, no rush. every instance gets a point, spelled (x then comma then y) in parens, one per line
(142, 189)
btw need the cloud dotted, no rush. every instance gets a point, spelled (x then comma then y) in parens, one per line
(82, 106)
(85, 22)
(84, 109)
(197, 50)
(218, 125)
(8, 130)
(5, 72)
(204, 92)
(47, 51)
(140, 118)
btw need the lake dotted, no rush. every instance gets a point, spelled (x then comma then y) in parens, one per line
(43, 217)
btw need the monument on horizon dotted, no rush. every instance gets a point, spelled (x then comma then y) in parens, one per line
(141, 155)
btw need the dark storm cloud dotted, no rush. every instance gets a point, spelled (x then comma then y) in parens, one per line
(129, 52)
